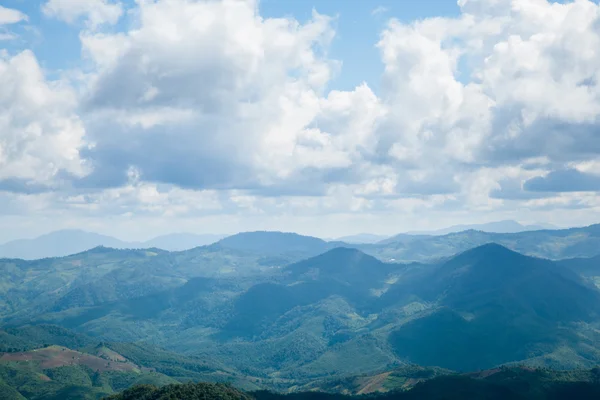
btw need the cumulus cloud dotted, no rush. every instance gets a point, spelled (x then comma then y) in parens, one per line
(40, 134)
(494, 110)
(225, 98)
(94, 12)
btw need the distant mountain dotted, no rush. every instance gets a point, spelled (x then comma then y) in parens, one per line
(361, 238)
(181, 241)
(71, 241)
(276, 243)
(506, 226)
(57, 244)
(552, 244)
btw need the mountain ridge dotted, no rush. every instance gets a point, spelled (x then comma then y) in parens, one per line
(66, 242)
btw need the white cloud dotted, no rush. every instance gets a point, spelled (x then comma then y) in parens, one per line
(95, 12)
(379, 10)
(40, 135)
(249, 89)
(213, 104)
(11, 16)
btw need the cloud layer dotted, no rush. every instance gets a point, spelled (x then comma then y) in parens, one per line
(201, 108)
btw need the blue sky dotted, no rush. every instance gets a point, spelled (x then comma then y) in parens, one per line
(215, 116)
(358, 26)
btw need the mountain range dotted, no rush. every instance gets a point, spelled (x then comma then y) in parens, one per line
(505, 226)
(287, 312)
(66, 242)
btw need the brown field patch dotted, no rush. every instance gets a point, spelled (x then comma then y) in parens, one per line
(44, 377)
(374, 384)
(56, 356)
(108, 354)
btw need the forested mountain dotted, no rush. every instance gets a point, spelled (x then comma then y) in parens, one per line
(552, 244)
(286, 312)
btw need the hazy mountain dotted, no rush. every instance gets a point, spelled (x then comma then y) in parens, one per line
(276, 243)
(57, 244)
(361, 238)
(553, 244)
(506, 226)
(181, 241)
(71, 241)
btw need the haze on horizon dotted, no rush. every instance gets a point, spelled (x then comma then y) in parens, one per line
(140, 118)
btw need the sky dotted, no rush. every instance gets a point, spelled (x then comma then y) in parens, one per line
(323, 117)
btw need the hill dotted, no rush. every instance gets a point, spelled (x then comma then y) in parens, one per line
(57, 372)
(552, 244)
(495, 306)
(585, 266)
(506, 226)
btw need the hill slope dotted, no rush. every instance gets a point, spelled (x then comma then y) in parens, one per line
(552, 244)
(496, 306)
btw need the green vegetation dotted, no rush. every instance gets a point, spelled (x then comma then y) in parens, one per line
(516, 383)
(62, 376)
(191, 391)
(342, 321)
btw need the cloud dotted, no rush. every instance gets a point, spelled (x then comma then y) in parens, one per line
(493, 111)
(95, 12)
(7, 36)
(567, 180)
(379, 10)
(11, 16)
(225, 99)
(40, 134)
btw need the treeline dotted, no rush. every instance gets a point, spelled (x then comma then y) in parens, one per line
(191, 391)
(457, 387)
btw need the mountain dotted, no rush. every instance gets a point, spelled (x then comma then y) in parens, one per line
(506, 226)
(552, 244)
(181, 241)
(263, 308)
(57, 244)
(276, 243)
(495, 306)
(66, 242)
(585, 266)
(361, 238)
(347, 266)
